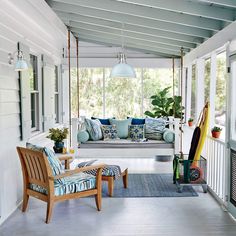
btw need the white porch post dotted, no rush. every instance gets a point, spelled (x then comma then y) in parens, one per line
(200, 66)
(212, 88)
(188, 92)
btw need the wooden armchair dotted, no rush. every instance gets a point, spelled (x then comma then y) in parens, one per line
(39, 181)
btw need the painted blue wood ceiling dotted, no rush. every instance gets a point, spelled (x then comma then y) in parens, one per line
(159, 27)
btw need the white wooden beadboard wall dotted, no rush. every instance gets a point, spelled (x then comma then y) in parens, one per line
(40, 32)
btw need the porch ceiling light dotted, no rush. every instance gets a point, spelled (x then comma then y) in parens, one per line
(122, 69)
(20, 64)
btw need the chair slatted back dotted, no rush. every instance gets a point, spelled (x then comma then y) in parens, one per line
(35, 166)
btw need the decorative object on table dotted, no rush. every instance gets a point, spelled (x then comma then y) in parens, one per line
(136, 132)
(190, 122)
(154, 128)
(58, 135)
(109, 132)
(216, 131)
(93, 127)
(164, 105)
(122, 127)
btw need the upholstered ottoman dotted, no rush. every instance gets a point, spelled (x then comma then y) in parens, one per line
(110, 173)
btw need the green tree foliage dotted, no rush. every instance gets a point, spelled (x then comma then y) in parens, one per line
(123, 96)
(164, 106)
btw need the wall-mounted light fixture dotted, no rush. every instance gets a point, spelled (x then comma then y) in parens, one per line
(20, 64)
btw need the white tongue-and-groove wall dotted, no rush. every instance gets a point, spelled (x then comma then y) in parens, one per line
(40, 32)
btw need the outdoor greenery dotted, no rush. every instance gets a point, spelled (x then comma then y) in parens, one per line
(57, 135)
(207, 79)
(101, 96)
(164, 105)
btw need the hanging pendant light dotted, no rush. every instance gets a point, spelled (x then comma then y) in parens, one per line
(122, 69)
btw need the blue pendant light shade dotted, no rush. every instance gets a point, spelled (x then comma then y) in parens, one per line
(122, 69)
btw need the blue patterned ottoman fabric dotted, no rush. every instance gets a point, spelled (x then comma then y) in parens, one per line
(108, 170)
(109, 132)
(73, 184)
(136, 132)
(154, 128)
(54, 162)
(94, 129)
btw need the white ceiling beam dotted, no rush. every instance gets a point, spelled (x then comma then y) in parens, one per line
(111, 40)
(138, 21)
(132, 47)
(97, 28)
(128, 27)
(136, 41)
(144, 12)
(189, 8)
(224, 3)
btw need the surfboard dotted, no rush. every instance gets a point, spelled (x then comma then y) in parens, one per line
(194, 143)
(204, 126)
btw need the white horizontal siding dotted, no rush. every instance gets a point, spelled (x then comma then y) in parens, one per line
(35, 25)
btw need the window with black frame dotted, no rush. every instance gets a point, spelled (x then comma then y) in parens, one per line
(56, 94)
(34, 92)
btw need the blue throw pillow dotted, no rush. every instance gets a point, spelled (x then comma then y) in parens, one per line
(154, 128)
(122, 127)
(136, 132)
(137, 121)
(169, 136)
(109, 132)
(54, 162)
(94, 129)
(103, 121)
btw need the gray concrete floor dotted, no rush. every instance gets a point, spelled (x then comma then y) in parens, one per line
(196, 216)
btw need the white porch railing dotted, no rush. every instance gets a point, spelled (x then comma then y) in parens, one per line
(215, 153)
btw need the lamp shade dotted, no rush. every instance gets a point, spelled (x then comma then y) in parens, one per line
(123, 70)
(21, 65)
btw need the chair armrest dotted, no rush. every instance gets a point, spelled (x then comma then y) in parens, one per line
(77, 170)
(63, 158)
(67, 161)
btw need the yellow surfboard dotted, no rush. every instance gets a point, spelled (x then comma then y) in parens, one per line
(204, 126)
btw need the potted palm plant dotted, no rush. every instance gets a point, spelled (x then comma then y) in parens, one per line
(215, 131)
(190, 122)
(58, 135)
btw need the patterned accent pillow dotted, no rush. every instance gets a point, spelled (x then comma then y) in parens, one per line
(136, 132)
(54, 162)
(94, 129)
(154, 128)
(109, 132)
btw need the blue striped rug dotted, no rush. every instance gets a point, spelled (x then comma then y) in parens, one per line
(148, 185)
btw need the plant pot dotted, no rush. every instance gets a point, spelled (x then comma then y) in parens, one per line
(190, 123)
(58, 147)
(215, 134)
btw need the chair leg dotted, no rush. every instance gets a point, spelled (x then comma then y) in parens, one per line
(110, 186)
(125, 178)
(98, 199)
(49, 211)
(25, 202)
